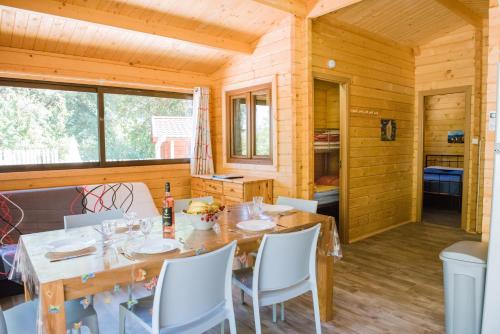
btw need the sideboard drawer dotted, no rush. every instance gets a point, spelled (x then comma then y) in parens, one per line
(197, 185)
(213, 186)
(233, 189)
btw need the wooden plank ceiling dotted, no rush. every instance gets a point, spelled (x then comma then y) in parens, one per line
(231, 25)
(201, 35)
(410, 22)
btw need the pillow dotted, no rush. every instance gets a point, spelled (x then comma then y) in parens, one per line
(328, 180)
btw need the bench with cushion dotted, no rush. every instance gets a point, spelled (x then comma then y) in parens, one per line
(38, 210)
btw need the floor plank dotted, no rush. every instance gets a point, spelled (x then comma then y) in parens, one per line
(389, 283)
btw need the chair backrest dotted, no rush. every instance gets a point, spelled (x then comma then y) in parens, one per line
(299, 204)
(189, 288)
(89, 219)
(182, 204)
(286, 259)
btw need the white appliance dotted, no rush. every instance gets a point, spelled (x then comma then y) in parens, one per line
(491, 313)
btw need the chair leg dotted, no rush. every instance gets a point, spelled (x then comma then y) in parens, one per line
(282, 309)
(242, 294)
(92, 323)
(256, 316)
(232, 324)
(222, 329)
(317, 320)
(274, 313)
(121, 320)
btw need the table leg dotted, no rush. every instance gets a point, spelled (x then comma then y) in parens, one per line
(325, 286)
(52, 308)
(27, 294)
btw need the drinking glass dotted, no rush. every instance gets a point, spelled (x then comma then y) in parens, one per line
(145, 224)
(108, 228)
(257, 203)
(130, 218)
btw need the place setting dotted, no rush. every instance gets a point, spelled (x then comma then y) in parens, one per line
(261, 216)
(70, 248)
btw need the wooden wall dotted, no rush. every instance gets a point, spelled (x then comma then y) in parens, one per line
(16, 63)
(490, 105)
(443, 113)
(153, 176)
(326, 105)
(272, 58)
(454, 60)
(382, 81)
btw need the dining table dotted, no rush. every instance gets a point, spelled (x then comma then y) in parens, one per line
(109, 265)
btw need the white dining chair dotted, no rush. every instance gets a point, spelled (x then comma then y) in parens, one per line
(285, 268)
(299, 204)
(22, 318)
(182, 204)
(89, 219)
(192, 295)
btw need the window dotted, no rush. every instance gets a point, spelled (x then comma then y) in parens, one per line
(51, 126)
(249, 130)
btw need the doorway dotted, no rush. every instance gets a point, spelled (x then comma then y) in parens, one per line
(330, 97)
(443, 156)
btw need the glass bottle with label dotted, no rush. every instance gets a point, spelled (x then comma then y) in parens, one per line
(168, 218)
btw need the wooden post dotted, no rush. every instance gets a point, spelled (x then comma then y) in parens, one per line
(52, 304)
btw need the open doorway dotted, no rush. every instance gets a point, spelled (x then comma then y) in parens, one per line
(330, 148)
(444, 156)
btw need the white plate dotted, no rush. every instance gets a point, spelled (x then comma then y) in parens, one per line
(69, 245)
(157, 246)
(256, 225)
(276, 208)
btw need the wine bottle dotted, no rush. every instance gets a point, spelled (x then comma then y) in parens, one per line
(168, 218)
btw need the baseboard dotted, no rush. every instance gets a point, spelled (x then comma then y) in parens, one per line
(371, 234)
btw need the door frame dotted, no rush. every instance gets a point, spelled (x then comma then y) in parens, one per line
(467, 90)
(344, 97)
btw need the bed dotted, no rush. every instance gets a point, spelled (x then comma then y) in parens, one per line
(443, 176)
(326, 195)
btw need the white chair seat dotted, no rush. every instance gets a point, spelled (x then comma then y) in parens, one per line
(142, 312)
(243, 278)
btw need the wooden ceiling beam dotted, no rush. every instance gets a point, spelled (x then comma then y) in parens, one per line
(295, 7)
(322, 7)
(461, 10)
(90, 15)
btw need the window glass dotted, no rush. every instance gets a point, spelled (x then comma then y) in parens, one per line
(139, 127)
(47, 126)
(240, 127)
(262, 124)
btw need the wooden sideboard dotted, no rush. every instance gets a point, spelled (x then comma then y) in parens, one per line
(231, 191)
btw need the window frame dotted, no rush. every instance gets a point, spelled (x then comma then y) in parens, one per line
(100, 91)
(248, 93)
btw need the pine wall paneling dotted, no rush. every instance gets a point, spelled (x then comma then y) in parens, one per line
(491, 86)
(271, 59)
(382, 82)
(453, 60)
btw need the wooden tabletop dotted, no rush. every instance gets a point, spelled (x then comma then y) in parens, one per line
(108, 266)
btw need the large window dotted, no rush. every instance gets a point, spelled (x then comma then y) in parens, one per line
(44, 126)
(249, 130)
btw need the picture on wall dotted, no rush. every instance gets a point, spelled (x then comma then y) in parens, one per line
(388, 129)
(456, 137)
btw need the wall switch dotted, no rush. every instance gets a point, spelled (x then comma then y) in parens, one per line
(475, 140)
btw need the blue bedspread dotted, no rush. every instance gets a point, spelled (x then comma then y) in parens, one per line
(443, 181)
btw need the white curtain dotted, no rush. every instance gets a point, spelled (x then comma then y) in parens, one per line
(201, 147)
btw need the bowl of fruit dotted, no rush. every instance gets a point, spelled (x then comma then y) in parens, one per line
(203, 215)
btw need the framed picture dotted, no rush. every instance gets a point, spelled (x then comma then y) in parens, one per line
(456, 137)
(388, 129)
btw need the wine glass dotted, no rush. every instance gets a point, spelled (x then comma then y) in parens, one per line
(130, 218)
(145, 224)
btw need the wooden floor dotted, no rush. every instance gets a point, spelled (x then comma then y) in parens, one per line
(389, 283)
